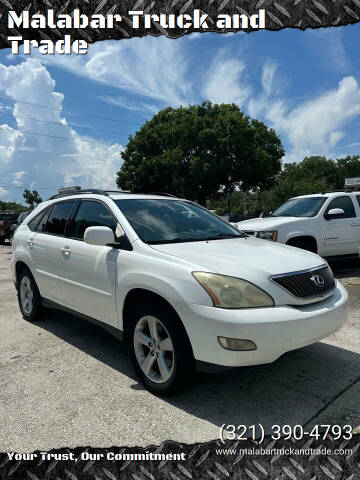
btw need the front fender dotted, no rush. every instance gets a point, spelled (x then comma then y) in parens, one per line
(191, 291)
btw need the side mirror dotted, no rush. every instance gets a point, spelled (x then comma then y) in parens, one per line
(334, 213)
(99, 236)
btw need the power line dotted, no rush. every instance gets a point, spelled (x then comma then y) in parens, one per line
(63, 138)
(35, 187)
(59, 123)
(69, 111)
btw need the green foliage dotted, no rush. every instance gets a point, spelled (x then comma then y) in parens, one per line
(12, 207)
(313, 175)
(32, 198)
(192, 151)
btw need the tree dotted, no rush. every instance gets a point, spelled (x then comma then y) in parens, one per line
(192, 152)
(11, 207)
(348, 167)
(31, 198)
(260, 169)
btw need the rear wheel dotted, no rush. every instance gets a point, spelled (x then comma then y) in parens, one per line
(28, 296)
(159, 349)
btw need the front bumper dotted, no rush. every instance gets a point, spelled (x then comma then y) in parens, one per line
(275, 330)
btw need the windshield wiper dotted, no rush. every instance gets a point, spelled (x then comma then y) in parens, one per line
(175, 240)
(219, 236)
(285, 215)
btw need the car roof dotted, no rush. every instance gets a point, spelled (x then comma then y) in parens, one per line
(328, 194)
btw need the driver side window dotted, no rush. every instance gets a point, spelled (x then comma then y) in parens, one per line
(91, 214)
(346, 204)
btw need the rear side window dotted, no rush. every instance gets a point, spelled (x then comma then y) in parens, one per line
(58, 217)
(345, 203)
(33, 224)
(91, 214)
(42, 224)
(358, 199)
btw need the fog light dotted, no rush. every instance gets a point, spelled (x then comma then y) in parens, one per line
(236, 344)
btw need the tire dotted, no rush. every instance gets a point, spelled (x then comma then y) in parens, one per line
(29, 298)
(169, 361)
(304, 244)
(2, 240)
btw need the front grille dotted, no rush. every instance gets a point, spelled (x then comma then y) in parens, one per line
(307, 283)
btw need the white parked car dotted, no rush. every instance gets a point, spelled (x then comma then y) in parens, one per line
(181, 286)
(327, 224)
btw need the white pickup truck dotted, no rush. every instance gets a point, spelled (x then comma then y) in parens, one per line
(327, 223)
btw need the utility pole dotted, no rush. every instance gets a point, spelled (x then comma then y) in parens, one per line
(229, 195)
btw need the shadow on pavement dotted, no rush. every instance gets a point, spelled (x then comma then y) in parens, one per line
(290, 391)
(342, 268)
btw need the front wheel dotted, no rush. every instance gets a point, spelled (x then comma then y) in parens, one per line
(304, 244)
(28, 296)
(159, 349)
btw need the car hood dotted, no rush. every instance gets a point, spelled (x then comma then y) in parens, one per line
(259, 224)
(246, 257)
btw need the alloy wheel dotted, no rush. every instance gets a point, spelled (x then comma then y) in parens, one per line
(154, 349)
(26, 295)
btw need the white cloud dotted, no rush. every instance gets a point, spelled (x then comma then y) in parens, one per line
(194, 36)
(3, 191)
(225, 81)
(17, 177)
(152, 67)
(328, 44)
(10, 140)
(47, 160)
(268, 77)
(314, 126)
(144, 108)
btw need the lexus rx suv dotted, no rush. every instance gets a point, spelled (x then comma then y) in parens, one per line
(183, 288)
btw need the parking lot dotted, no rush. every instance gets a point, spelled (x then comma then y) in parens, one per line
(65, 383)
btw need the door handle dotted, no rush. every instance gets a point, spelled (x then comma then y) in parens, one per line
(65, 250)
(354, 224)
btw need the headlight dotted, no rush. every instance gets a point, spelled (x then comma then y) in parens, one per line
(268, 235)
(231, 292)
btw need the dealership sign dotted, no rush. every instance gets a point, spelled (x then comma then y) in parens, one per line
(352, 182)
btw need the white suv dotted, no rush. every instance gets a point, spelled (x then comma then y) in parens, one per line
(326, 223)
(181, 286)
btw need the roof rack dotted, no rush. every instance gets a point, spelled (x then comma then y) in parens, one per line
(332, 191)
(162, 194)
(118, 191)
(76, 190)
(65, 192)
(343, 190)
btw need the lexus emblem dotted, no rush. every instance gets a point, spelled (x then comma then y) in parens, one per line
(318, 280)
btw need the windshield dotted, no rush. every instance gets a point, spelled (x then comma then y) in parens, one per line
(300, 207)
(173, 221)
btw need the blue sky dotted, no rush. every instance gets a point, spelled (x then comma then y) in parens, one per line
(304, 84)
